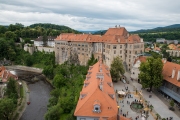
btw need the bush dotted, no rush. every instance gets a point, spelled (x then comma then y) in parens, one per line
(171, 108)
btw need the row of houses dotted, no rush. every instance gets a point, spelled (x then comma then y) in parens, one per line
(171, 77)
(163, 40)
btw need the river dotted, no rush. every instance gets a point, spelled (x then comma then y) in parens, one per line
(39, 94)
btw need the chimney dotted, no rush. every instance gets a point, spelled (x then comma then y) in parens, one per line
(118, 40)
(173, 72)
(178, 75)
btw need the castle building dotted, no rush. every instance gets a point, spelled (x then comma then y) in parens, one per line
(97, 99)
(115, 42)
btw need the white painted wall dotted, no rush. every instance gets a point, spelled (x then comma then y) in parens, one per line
(135, 70)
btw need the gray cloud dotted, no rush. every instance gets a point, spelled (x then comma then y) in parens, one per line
(91, 14)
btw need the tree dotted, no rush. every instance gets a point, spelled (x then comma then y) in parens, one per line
(151, 73)
(58, 81)
(6, 108)
(48, 71)
(54, 113)
(117, 68)
(11, 90)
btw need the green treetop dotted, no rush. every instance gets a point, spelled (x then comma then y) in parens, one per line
(117, 68)
(151, 73)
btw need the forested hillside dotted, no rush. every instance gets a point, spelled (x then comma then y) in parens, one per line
(171, 32)
(33, 31)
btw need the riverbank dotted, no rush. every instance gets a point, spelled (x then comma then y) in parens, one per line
(22, 103)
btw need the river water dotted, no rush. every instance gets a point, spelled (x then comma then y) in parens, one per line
(39, 94)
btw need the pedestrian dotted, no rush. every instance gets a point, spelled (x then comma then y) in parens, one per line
(124, 115)
(127, 87)
(166, 118)
(127, 102)
(121, 110)
(127, 113)
(136, 118)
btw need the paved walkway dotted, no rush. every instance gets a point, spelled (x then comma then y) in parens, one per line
(124, 106)
(159, 106)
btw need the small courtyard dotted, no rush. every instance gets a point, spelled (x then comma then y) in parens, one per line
(142, 102)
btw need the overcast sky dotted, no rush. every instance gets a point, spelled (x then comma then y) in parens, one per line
(92, 14)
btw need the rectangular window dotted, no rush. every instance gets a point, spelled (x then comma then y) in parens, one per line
(114, 52)
(78, 48)
(129, 56)
(120, 51)
(130, 52)
(82, 45)
(129, 60)
(114, 46)
(120, 46)
(79, 45)
(83, 49)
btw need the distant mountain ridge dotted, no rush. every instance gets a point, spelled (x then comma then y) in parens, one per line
(170, 28)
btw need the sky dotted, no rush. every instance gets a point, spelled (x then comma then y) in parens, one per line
(92, 14)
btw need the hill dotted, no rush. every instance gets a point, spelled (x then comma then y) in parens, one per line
(100, 32)
(170, 28)
(61, 28)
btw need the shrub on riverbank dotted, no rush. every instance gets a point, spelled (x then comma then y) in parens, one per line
(68, 83)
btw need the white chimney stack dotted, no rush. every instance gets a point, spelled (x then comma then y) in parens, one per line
(178, 75)
(173, 72)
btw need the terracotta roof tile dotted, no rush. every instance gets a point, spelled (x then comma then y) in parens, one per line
(141, 58)
(167, 73)
(113, 35)
(95, 95)
(5, 74)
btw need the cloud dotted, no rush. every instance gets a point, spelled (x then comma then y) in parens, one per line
(91, 14)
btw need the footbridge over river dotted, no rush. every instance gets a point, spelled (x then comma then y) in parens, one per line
(24, 68)
(28, 74)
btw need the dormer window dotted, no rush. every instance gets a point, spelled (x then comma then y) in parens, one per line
(110, 84)
(88, 77)
(89, 73)
(111, 95)
(86, 84)
(82, 96)
(97, 108)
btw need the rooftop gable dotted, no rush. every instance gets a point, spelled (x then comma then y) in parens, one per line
(98, 92)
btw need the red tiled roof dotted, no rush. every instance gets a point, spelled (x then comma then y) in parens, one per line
(141, 58)
(5, 74)
(167, 73)
(117, 31)
(113, 35)
(94, 95)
